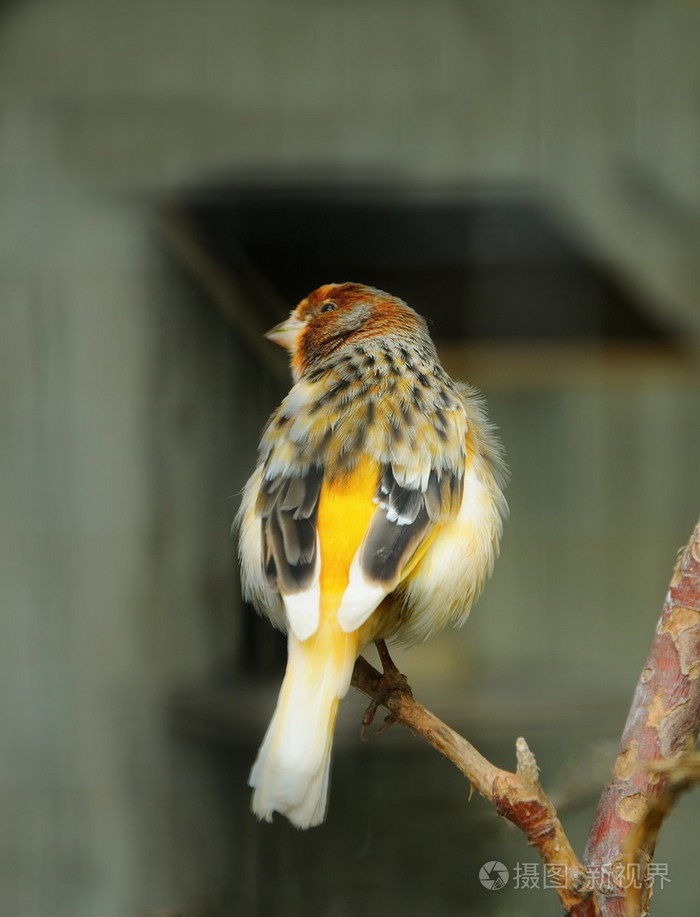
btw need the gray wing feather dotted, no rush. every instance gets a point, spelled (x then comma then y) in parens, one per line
(403, 519)
(289, 507)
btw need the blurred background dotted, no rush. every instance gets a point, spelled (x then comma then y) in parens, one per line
(174, 176)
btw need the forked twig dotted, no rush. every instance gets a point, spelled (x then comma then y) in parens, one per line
(518, 796)
(652, 767)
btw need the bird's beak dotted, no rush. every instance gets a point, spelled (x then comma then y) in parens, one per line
(286, 333)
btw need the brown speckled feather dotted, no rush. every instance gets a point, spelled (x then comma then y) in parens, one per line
(383, 397)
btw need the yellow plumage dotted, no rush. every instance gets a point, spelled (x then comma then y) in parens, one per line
(291, 771)
(345, 507)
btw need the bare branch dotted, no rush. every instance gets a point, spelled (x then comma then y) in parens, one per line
(653, 766)
(682, 775)
(662, 725)
(518, 796)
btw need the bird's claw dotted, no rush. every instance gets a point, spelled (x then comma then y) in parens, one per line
(390, 681)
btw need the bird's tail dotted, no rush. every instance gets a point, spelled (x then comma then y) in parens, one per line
(291, 771)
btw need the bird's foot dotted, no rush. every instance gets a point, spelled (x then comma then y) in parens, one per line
(391, 680)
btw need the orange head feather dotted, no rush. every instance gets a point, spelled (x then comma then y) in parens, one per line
(338, 314)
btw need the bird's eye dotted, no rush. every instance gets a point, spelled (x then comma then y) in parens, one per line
(328, 306)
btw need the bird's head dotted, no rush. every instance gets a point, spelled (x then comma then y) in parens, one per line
(338, 315)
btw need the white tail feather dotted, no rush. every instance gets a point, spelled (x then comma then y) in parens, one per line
(291, 771)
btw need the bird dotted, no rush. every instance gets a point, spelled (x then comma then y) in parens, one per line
(374, 513)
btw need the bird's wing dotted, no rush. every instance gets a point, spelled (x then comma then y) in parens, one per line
(288, 507)
(406, 515)
(355, 479)
(369, 526)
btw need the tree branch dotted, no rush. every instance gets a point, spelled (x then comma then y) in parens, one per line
(652, 767)
(682, 774)
(662, 725)
(518, 796)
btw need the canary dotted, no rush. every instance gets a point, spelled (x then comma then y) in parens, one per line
(374, 512)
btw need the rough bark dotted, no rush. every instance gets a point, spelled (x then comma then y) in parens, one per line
(662, 725)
